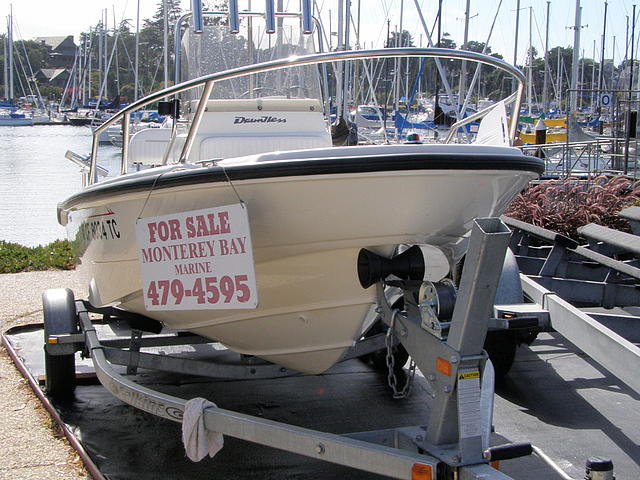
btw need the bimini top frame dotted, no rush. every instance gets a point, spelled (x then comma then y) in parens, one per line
(207, 81)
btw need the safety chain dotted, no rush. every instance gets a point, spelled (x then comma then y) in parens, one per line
(391, 375)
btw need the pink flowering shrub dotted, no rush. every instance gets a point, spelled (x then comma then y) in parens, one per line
(564, 205)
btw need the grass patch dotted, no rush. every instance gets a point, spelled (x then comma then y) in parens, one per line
(16, 258)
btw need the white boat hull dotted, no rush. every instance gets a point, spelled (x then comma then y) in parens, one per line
(306, 232)
(16, 122)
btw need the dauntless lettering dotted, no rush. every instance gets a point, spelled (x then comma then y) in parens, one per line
(262, 119)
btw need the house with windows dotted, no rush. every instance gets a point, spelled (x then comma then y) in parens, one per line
(62, 50)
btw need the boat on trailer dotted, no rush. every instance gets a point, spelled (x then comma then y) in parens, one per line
(338, 246)
(310, 207)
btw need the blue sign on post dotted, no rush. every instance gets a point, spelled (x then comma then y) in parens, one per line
(606, 100)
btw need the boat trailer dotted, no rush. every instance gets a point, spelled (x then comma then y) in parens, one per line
(444, 338)
(585, 290)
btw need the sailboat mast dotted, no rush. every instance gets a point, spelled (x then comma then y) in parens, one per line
(10, 53)
(515, 46)
(581, 84)
(105, 50)
(613, 63)
(626, 43)
(559, 81)
(593, 77)
(398, 62)
(166, 43)
(530, 61)
(463, 73)
(438, 45)
(628, 109)
(80, 70)
(575, 60)
(601, 71)
(89, 69)
(545, 84)
(357, 85)
(100, 56)
(604, 33)
(136, 78)
(5, 69)
(73, 77)
(340, 73)
(347, 67)
(633, 31)
(115, 51)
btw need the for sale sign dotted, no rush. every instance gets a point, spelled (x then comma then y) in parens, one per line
(197, 260)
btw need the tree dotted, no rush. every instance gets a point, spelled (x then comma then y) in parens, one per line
(404, 39)
(152, 37)
(479, 47)
(28, 58)
(496, 84)
(446, 41)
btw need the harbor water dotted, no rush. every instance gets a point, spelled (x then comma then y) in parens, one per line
(35, 176)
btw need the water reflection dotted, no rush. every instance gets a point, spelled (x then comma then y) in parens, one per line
(35, 176)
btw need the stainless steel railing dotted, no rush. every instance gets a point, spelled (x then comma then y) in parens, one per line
(314, 59)
(602, 155)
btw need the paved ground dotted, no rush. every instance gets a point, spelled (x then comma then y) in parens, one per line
(30, 445)
(555, 397)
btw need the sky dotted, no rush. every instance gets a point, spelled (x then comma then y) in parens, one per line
(35, 18)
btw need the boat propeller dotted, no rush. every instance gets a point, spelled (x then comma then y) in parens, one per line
(409, 265)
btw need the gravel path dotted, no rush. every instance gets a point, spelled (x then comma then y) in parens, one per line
(31, 447)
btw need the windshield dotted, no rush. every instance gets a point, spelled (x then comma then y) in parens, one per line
(215, 50)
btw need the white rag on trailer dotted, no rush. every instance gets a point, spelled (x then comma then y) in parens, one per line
(197, 440)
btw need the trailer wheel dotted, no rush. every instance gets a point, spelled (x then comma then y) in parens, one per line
(59, 318)
(501, 345)
(379, 358)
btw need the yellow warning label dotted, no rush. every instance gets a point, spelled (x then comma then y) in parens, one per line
(468, 375)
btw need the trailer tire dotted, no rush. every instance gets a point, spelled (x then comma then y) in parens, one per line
(59, 318)
(379, 358)
(501, 345)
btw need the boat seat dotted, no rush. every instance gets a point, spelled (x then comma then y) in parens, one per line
(239, 127)
(147, 146)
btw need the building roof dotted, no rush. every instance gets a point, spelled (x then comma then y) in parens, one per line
(52, 73)
(54, 42)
